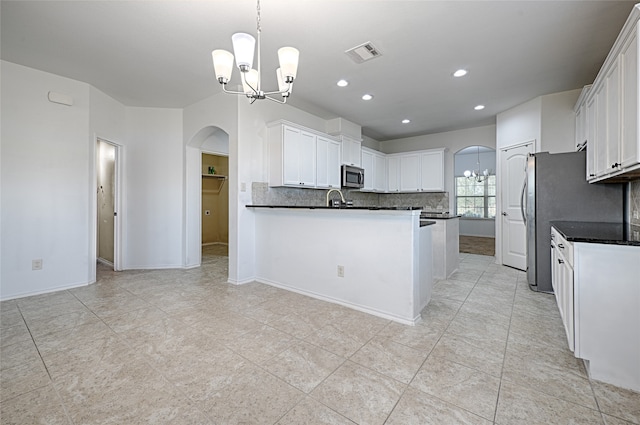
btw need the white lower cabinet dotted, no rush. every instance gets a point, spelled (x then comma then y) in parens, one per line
(562, 281)
(598, 293)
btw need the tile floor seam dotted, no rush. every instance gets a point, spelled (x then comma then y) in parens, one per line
(506, 347)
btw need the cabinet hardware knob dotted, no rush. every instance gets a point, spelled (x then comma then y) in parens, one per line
(504, 213)
(592, 175)
(560, 246)
(560, 261)
(617, 164)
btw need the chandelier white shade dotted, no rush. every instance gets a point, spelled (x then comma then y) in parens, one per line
(244, 50)
(477, 175)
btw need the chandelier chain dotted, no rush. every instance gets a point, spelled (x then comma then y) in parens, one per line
(258, 16)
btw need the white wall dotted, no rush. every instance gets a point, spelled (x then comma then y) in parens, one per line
(48, 182)
(45, 183)
(559, 122)
(153, 175)
(453, 140)
(246, 126)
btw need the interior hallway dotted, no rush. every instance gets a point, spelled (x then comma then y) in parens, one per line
(184, 347)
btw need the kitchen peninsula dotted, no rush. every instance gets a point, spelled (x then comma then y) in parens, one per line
(373, 259)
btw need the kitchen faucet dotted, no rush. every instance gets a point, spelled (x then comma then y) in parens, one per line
(335, 190)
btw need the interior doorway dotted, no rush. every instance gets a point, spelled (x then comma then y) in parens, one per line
(475, 198)
(107, 200)
(215, 205)
(513, 161)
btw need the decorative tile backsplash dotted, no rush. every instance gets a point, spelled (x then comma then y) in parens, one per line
(634, 201)
(262, 194)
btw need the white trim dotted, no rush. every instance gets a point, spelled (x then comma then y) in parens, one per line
(240, 282)
(358, 307)
(48, 290)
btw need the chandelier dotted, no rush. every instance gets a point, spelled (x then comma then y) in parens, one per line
(475, 174)
(243, 47)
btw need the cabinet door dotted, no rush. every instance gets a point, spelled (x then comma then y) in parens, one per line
(581, 126)
(369, 170)
(393, 174)
(299, 157)
(380, 178)
(601, 131)
(327, 163)
(592, 141)
(629, 143)
(307, 159)
(613, 117)
(567, 303)
(291, 154)
(432, 171)
(410, 173)
(333, 163)
(351, 151)
(322, 162)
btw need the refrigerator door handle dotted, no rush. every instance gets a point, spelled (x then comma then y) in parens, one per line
(524, 190)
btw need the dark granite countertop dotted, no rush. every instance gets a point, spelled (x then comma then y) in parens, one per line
(597, 232)
(320, 207)
(437, 215)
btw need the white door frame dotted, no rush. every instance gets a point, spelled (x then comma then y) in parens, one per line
(499, 172)
(117, 205)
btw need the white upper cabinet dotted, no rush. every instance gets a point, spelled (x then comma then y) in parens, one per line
(432, 171)
(351, 151)
(380, 176)
(393, 174)
(327, 163)
(367, 165)
(410, 173)
(612, 111)
(299, 157)
(419, 171)
(630, 144)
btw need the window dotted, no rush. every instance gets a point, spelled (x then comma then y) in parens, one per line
(475, 199)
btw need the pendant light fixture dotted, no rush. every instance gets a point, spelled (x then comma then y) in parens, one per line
(475, 174)
(243, 48)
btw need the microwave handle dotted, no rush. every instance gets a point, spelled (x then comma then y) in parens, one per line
(360, 178)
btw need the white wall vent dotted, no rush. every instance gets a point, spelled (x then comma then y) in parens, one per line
(363, 52)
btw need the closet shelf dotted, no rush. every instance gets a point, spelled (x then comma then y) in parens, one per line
(215, 179)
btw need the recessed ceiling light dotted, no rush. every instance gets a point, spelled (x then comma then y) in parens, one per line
(460, 73)
(479, 108)
(343, 83)
(367, 97)
(406, 121)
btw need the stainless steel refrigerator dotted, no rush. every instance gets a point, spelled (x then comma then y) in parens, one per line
(556, 190)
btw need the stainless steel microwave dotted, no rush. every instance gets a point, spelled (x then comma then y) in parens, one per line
(352, 176)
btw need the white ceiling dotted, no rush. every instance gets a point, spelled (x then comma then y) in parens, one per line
(158, 53)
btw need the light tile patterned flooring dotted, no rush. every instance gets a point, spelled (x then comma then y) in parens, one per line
(184, 347)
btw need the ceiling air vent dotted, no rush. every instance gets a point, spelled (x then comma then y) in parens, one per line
(363, 52)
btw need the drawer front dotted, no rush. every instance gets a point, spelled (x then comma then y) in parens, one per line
(564, 247)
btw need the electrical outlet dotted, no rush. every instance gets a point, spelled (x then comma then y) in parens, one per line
(636, 235)
(340, 271)
(36, 264)
(636, 214)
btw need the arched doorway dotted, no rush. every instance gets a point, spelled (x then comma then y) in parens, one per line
(474, 195)
(202, 188)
